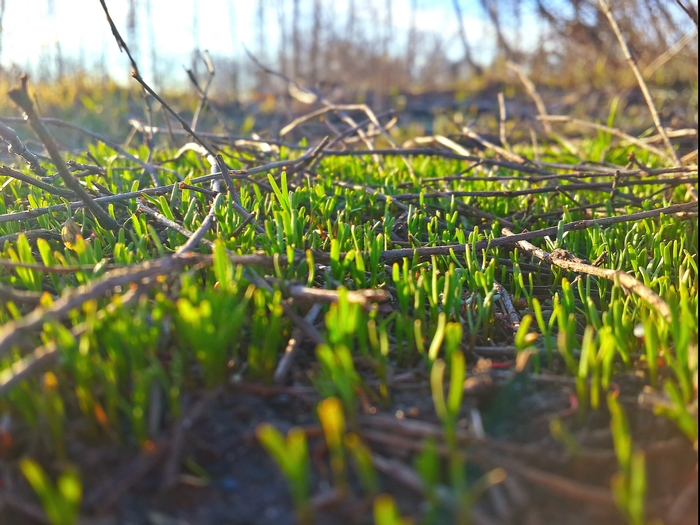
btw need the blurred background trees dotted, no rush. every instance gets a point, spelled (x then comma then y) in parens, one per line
(380, 46)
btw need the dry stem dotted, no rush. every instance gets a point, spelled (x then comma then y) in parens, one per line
(566, 260)
(20, 96)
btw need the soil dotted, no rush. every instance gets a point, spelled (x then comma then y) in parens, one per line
(225, 477)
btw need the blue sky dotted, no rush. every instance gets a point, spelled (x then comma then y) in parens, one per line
(223, 27)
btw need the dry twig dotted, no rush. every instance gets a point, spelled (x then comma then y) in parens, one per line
(20, 96)
(566, 260)
(642, 83)
(397, 255)
(16, 146)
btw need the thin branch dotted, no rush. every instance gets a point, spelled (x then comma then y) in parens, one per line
(371, 191)
(20, 96)
(45, 355)
(541, 108)
(671, 52)
(12, 332)
(507, 305)
(120, 41)
(100, 138)
(424, 253)
(203, 92)
(31, 235)
(7, 293)
(478, 212)
(287, 359)
(354, 129)
(613, 131)
(532, 91)
(690, 11)
(318, 295)
(590, 186)
(223, 169)
(37, 212)
(163, 220)
(16, 146)
(642, 83)
(12, 265)
(513, 157)
(175, 114)
(567, 261)
(199, 234)
(48, 188)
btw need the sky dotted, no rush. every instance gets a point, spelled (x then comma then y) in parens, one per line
(31, 29)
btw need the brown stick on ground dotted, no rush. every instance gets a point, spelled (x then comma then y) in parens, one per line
(285, 363)
(107, 493)
(556, 484)
(396, 255)
(507, 306)
(20, 96)
(31, 236)
(198, 235)
(19, 297)
(566, 260)
(40, 267)
(58, 123)
(16, 502)
(579, 186)
(46, 355)
(171, 468)
(13, 331)
(303, 293)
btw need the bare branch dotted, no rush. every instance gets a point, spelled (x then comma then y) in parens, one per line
(20, 96)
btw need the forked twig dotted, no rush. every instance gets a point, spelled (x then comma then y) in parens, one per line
(16, 146)
(48, 188)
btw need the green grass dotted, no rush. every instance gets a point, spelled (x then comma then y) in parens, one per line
(198, 328)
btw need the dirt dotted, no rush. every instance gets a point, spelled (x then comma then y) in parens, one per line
(227, 478)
